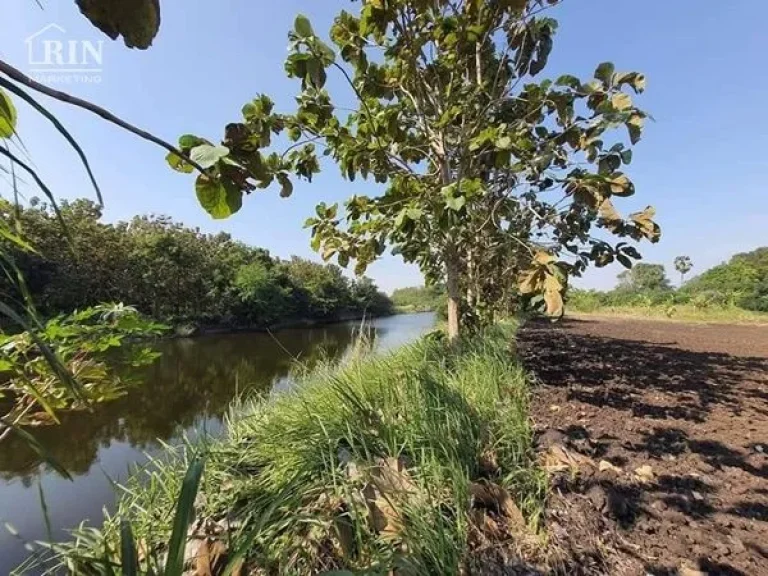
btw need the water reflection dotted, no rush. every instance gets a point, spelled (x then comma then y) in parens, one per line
(188, 389)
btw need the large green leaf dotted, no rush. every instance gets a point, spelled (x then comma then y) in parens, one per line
(218, 200)
(207, 155)
(137, 21)
(7, 115)
(604, 72)
(286, 187)
(303, 27)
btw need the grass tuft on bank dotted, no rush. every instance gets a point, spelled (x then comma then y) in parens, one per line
(411, 461)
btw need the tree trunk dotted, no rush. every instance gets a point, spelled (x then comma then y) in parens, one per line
(454, 296)
(470, 281)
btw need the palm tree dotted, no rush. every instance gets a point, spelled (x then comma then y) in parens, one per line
(683, 265)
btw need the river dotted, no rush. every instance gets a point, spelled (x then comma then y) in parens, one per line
(186, 392)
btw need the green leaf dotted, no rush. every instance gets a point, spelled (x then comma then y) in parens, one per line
(286, 186)
(184, 514)
(188, 141)
(414, 213)
(207, 155)
(504, 143)
(568, 80)
(7, 115)
(326, 52)
(303, 27)
(604, 73)
(624, 260)
(455, 203)
(178, 163)
(218, 200)
(138, 21)
(5, 232)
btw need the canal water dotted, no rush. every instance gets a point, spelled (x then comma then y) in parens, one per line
(186, 392)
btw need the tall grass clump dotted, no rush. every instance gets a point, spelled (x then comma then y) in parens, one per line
(386, 462)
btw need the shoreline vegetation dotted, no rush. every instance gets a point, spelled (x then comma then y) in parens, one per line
(174, 274)
(416, 299)
(193, 330)
(412, 461)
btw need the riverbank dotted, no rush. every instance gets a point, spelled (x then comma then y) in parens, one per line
(192, 329)
(421, 460)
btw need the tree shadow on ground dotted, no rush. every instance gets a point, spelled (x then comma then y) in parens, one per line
(610, 395)
(619, 373)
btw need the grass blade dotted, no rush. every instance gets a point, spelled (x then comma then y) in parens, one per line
(129, 560)
(39, 449)
(59, 126)
(47, 191)
(184, 512)
(44, 507)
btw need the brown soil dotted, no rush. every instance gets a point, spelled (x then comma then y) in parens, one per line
(688, 400)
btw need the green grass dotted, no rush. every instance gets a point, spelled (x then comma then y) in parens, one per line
(677, 312)
(297, 474)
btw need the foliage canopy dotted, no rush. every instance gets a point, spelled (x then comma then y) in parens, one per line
(470, 150)
(171, 272)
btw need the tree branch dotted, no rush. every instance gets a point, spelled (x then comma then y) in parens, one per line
(22, 78)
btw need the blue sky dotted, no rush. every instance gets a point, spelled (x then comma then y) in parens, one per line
(703, 162)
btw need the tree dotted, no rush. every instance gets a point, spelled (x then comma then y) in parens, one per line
(419, 298)
(683, 264)
(743, 279)
(470, 149)
(169, 271)
(644, 278)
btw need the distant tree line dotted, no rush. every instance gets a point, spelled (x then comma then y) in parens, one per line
(420, 298)
(741, 282)
(173, 273)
